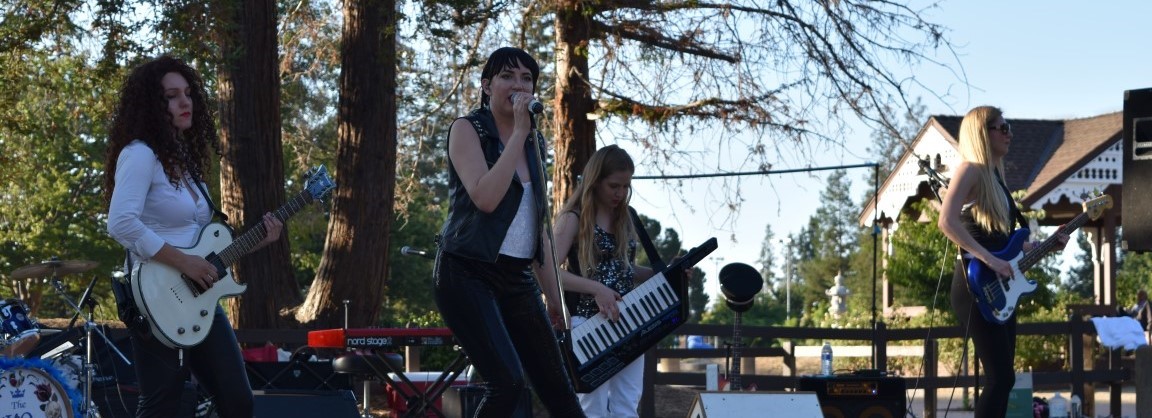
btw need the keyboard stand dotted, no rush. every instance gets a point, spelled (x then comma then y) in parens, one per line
(421, 401)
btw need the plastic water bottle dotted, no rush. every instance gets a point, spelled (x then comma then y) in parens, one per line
(1057, 407)
(1074, 410)
(826, 359)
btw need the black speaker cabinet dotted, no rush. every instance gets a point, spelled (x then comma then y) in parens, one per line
(1136, 218)
(305, 403)
(120, 401)
(297, 374)
(857, 396)
(461, 402)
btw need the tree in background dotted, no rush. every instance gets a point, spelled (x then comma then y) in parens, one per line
(1133, 274)
(1078, 279)
(252, 167)
(356, 256)
(889, 146)
(53, 130)
(770, 69)
(922, 261)
(828, 243)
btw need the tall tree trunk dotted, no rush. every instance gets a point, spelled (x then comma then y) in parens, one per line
(252, 171)
(575, 139)
(354, 266)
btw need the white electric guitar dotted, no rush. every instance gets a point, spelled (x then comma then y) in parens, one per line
(178, 311)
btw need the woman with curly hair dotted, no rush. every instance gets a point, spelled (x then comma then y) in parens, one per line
(160, 147)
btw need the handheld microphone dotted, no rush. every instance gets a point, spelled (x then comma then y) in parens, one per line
(406, 250)
(534, 106)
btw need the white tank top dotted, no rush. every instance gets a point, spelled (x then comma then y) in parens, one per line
(521, 238)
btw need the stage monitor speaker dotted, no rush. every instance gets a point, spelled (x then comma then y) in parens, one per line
(1137, 185)
(305, 403)
(755, 404)
(857, 396)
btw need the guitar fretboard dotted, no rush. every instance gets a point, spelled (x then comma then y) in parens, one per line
(253, 236)
(1041, 250)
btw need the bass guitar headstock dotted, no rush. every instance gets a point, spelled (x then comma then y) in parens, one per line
(1096, 206)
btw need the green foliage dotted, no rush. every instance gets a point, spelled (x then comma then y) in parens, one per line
(409, 299)
(825, 247)
(922, 260)
(1079, 278)
(1135, 273)
(52, 143)
(1040, 352)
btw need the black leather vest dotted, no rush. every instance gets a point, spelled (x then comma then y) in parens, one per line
(471, 233)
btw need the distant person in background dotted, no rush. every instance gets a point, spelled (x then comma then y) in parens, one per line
(1142, 311)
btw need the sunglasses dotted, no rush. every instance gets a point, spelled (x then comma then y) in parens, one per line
(1004, 128)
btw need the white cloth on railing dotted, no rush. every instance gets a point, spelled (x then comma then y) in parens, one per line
(1120, 331)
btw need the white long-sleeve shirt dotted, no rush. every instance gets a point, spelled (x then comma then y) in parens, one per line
(146, 211)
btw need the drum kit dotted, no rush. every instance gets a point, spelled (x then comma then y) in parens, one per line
(38, 375)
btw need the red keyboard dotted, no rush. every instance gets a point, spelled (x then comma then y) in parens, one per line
(379, 337)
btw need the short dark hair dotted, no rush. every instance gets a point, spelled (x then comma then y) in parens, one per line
(507, 57)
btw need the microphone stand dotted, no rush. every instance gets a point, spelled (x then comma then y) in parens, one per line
(935, 180)
(546, 220)
(83, 300)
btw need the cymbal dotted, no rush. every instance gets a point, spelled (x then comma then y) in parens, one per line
(57, 267)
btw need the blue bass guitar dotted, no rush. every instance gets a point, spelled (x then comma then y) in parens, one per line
(996, 297)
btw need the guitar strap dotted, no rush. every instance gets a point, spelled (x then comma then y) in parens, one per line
(1019, 218)
(653, 255)
(207, 197)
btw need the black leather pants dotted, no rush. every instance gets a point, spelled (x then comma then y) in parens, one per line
(995, 347)
(496, 314)
(216, 362)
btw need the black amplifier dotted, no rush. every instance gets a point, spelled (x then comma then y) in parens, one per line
(853, 396)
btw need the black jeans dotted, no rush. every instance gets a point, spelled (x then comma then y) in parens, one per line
(495, 312)
(995, 347)
(216, 362)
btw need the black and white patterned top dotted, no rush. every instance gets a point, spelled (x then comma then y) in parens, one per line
(615, 273)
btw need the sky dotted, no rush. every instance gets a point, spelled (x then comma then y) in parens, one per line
(1033, 59)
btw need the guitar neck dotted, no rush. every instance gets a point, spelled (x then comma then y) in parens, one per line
(248, 240)
(736, 343)
(1038, 252)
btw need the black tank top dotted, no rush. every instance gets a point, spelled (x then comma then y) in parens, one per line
(992, 240)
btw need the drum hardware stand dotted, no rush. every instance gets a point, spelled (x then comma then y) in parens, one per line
(89, 406)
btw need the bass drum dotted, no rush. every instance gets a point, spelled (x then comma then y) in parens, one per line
(32, 388)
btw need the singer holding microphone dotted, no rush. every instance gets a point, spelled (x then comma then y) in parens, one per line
(489, 265)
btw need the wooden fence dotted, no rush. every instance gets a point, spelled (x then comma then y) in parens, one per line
(1081, 375)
